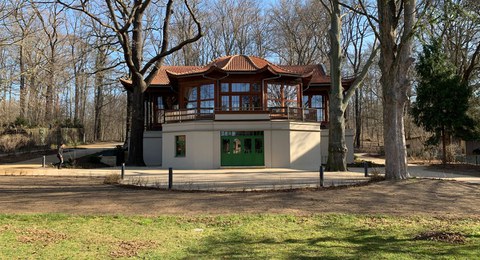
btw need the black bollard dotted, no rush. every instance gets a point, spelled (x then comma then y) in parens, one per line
(365, 167)
(123, 171)
(321, 176)
(43, 162)
(170, 178)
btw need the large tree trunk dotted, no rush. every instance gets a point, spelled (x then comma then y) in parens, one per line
(135, 148)
(393, 128)
(99, 81)
(337, 148)
(395, 63)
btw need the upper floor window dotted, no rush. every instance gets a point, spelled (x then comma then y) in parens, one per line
(316, 102)
(201, 98)
(282, 95)
(240, 96)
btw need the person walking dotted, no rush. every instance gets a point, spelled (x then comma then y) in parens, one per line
(60, 155)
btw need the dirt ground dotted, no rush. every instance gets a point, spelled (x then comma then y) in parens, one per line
(43, 194)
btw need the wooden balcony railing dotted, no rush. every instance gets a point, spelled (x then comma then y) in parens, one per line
(285, 113)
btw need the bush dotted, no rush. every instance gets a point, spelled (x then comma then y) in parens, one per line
(20, 121)
(10, 143)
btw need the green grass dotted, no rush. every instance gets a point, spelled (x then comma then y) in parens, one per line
(329, 236)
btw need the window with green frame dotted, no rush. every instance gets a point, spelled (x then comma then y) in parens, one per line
(180, 145)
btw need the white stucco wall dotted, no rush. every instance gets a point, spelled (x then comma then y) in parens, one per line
(200, 145)
(286, 144)
(279, 147)
(305, 150)
(152, 148)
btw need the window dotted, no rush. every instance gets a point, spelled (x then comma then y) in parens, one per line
(282, 95)
(241, 96)
(316, 102)
(201, 98)
(180, 146)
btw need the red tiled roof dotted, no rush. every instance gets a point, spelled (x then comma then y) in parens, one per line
(318, 73)
(240, 63)
(162, 78)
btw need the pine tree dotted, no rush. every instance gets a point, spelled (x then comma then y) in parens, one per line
(442, 98)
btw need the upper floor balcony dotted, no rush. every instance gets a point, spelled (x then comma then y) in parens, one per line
(162, 116)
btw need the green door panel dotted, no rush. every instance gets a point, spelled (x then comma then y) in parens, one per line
(242, 151)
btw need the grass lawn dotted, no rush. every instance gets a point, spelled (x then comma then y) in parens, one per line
(333, 236)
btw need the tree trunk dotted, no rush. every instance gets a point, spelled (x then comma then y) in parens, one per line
(444, 146)
(99, 81)
(49, 95)
(337, 148)
(23, 87)
(76, 113)
(395, 63)
(135, 148)
(129, 116)
(393, 128)
(358, 119)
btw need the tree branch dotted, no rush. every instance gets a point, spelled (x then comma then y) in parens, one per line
(358, 81)
(86, 12)
(157, 60)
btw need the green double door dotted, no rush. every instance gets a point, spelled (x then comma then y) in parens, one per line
(242, 150)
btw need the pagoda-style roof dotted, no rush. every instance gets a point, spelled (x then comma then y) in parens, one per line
(240, 64)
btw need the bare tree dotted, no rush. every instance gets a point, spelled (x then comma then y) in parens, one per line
(300, 32)
(51, 21)
(457, 23)
(126, 20)
(396, 21)
(355, 35)
(337, 148)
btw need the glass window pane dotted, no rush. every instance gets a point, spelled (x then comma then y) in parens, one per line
(247, 145)
(235, 103)
(225, 103)
(274, 95)
(289, 103)
(274, 91)
(160, 103)
(191, 94)
(320, 114)
(245, 102)
(206, 106)
(192, 104)
(206, 91)
(258, 145)
(256, 87)
(257, 104)
(180, 146)
(274, 103)
(305, 101)
(224, 87)
(226, 146)
(237, 146)
(317, 101)
(240, 87)
(290, 92)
